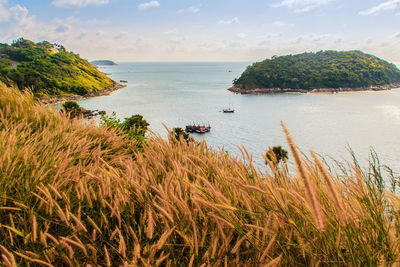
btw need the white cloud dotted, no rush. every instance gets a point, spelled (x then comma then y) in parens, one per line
(173, 31)
(147, 5)
(4, 13)
(15, 14)
(242, 35)
(388, 5)
(94, 39)
(78, 3)
(301, 5)
(19, 13)
(280, 23)
(192, 9)
(177, 40)
(229, 22)
(62, 28)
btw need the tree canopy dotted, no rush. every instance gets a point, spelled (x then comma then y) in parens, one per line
(72, 108)
(324, 69)
(48, 69)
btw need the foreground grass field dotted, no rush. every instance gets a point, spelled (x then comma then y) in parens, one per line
(73, 194)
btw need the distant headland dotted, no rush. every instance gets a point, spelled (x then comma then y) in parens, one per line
(103, 62)
(321, 72)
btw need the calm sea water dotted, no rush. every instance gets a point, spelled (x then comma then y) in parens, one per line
(176, 94)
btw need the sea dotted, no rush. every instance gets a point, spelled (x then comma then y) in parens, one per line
(176, 94)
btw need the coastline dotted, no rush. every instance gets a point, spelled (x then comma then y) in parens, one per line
(260, 91)
(106, 91)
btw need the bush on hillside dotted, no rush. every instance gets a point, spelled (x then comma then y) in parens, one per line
(72, 107)
(180, 133)
(134, 127)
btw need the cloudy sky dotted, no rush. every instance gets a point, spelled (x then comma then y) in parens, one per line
(205, 30)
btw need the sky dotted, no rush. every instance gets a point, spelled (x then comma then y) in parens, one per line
(205, 30)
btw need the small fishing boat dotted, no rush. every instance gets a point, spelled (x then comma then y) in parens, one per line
(228, 110)
(198, 128)
(123, 81)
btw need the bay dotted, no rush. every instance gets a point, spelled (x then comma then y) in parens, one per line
(177, 94)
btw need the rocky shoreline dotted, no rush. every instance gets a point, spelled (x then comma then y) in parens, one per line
(106, 91)
(89, 114)
(259, 91)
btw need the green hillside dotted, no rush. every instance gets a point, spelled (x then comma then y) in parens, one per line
(324, 69)
(48, 69)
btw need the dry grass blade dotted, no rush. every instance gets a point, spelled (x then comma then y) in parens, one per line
(73, 193)
(307, 183)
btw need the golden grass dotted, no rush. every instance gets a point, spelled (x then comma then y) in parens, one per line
(78, 195)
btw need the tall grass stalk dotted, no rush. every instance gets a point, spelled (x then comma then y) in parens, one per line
(74, 194)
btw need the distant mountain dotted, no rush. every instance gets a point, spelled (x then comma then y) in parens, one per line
(324, 69)
(49, 70)
(102, 62)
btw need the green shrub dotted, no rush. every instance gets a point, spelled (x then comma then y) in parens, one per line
(135, 124)
(180, 133)
(72, 107)
(134, 127)
(276, 154)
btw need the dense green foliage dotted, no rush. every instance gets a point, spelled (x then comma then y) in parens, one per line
(135, 123)
(324, 69)
(72, 107)
(134, 127)
(180, 133)
(48, 69)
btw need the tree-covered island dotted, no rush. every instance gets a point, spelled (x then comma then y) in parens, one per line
(50, 71)
(324, 71)
(103, 63)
